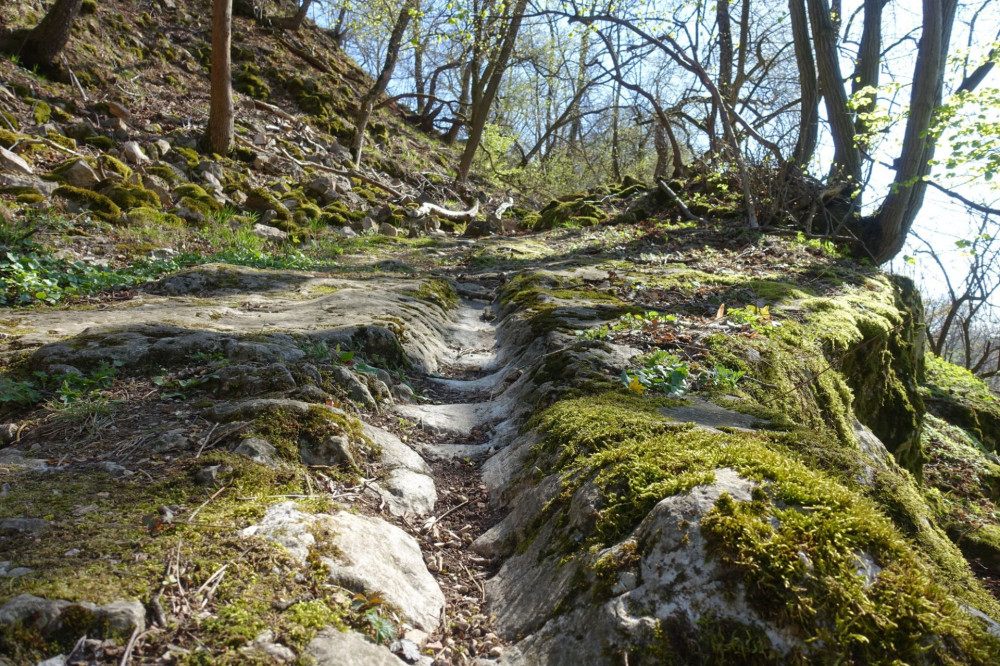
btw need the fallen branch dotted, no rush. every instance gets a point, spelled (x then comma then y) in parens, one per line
(305, 55)
(341, 172)
(275, 111)
(45, 142)
(662, 184)
(453, 215)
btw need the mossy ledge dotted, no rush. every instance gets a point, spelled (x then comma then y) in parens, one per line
(835, 551)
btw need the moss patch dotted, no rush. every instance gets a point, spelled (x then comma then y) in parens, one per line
(127, 197)
(959, 397)
(436, 291)
(97, 204)
(634, 458)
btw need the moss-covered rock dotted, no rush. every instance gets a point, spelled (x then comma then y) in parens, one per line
(115, 165)
(261, 199)
(40, 111)
(93, 202)
(128, 196)
(570, 211)
(190, 191)
(100, 141)
(956, 395)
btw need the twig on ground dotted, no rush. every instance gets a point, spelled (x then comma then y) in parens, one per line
(131, 646)
(204, 442)
(205, 503)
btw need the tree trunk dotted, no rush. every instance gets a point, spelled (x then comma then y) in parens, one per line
(220, 117)
(725, 50)
(418, 63)
(869, 59)
(616, 163)
(391, 56)
(481, 109)
(463, 106)
(805, 146)
(846, 157)
(884, 233)
(47, 40)
(293, 23)
(339, 31)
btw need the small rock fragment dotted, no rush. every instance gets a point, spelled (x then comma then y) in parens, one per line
(12, 162)
(257, 449)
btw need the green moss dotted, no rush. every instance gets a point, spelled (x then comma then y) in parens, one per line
(153, 218)
(121, 559)
(193, 191)
(956, 395)
(289, 431)
(19, 191)
(164, 172)
(99, 141)
(820, 593)
(963, 487)
(634, 458)
(127, 197)
(8, 139)
(712, 640)
(306, 211)
(96, 203)
(262, 199)
(30, 198)
(191, 156)
(57, 172)
(63, 141)
(196, 205)
(116, 165)
(571, 211)
(40, 111)
(437, 291)
(247, 81)
(11, 118)
(88, 7)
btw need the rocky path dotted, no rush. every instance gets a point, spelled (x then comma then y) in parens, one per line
(291, 467)
(454, 432)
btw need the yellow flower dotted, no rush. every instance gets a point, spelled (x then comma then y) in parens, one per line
(634, 385)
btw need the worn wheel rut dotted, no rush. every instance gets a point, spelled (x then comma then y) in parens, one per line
(453, 430)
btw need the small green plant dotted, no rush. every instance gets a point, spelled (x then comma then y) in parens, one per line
(651, 319)
(380, 628)
(595, 333)
(75, 387)
(665, 372)
(720, 377)
(755, 317)
(383, 631)
(19, 392)
(177, 389)
(662, 372)
(320, 352)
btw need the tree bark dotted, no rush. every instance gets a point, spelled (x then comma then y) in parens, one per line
(293, 23)
(220, 117)
(805, 146)
(463, 106)
(868, 61)
(846, 157)
(481, 109)
(884, 233)
(391, 56)
(725, 50)
(47, 40)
